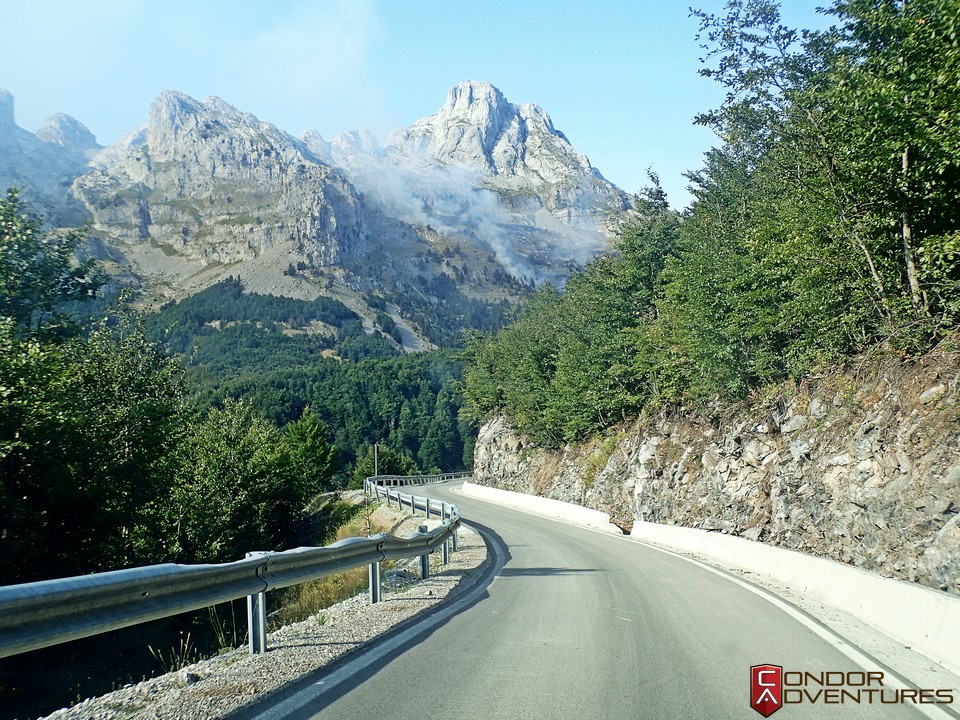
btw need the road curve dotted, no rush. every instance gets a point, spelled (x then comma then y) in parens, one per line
(579, 624)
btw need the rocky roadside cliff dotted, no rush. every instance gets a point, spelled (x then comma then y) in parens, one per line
(860, 466)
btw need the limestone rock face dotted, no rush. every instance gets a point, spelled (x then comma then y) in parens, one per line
(519, 151)
(478, 128)
(474, 204)
(869, 477)
(215, 185)
(490, 174)
(69, 133)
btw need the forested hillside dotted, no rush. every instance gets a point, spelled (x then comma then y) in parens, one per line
(825, 224)
(198, 433)
(283, 356)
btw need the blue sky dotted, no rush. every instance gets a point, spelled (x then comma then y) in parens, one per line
(619, 78)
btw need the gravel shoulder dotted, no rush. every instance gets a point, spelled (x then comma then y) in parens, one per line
(221, 685)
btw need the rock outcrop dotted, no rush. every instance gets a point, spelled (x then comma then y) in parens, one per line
(204, 191)
(489, 174)
(861, 466)
(520, 153)
(69, 133)
(216, 185)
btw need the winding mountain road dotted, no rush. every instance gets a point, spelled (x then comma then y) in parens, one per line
(580, 624)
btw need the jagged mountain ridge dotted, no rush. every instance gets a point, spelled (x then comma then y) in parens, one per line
(213, 185)
(481, 195)
(44, 163)
(519, 149)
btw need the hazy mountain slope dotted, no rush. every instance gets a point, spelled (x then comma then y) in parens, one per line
(495, 173)
(43, 164)
(444, 227)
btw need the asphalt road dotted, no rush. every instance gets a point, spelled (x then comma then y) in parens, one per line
(579, 624)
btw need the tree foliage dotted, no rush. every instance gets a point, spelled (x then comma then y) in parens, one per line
(38, 271)
(852, 130)
(571, 362)
(104, 464)
(83, 429)
(827, 221)
(237, 485)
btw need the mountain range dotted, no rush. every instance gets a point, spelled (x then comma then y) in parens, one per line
(449, 221)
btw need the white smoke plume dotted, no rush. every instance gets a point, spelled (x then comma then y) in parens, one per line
(527, 240)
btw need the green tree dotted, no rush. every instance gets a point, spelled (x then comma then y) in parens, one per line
(569, 365)
(83, 429)
(385, 459)
(851, 129)
(236, 488)
(314, 458)
(38, 271)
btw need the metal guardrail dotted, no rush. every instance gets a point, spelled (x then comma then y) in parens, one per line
(404, 480)
(41, 614)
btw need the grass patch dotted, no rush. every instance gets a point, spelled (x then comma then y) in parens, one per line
(301, 602)
(600, 457)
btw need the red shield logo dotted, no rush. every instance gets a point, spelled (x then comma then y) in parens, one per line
(766, 689)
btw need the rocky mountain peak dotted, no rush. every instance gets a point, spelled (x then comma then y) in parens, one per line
(42, 165)
(172, 108)
(207, 185)
(516, 152)
(475, 102)
(67, 132)
(484, 194)
(479, 129)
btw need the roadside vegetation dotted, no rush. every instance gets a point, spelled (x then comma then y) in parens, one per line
(196, 434)
(304, 601)
(187, 437)
(826, 224)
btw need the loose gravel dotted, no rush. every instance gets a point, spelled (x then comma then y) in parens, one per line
(215, 687)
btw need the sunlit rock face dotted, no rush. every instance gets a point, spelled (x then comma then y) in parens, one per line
(215, 184)
(492, 171)
(485, 195)
(478, 128)
(520, 152)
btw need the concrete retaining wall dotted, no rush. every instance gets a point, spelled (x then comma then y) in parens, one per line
(546, 507)
(921, 618)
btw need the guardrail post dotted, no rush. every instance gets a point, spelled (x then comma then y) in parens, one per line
(375, 583)
(257, 622)
(424, 560)
(445, 516)
(428, 509)
(257, 618)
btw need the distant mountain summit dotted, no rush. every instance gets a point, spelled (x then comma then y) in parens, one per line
(488, 169)
(520, 151)
(465, 209)
(44, 164)
(478, 128)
